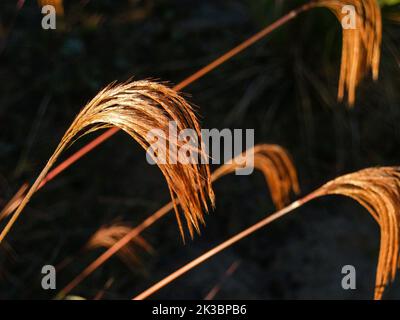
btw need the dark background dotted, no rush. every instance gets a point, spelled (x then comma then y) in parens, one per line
(285, 86)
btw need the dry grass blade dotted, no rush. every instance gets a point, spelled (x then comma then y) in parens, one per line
(106, 286)
(136, 108)
(275, 164)
(376, 189)
(228, 273)
(107, 236)
(361, 45)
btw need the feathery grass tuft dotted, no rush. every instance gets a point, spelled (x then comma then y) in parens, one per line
(275, 164)
(378, 191)
(361, 46)
(107, 236)
(138, 107)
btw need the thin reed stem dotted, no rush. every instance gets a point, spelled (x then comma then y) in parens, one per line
(245, 44)
(31, 191)
(245, 233)
(228, 273)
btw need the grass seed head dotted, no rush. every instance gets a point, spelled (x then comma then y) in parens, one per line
(138, 107)
(361, 46)
(107, 236)
(275, 164)
(377, 190)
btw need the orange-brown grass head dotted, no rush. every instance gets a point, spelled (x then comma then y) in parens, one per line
(377, 190)
(275, 164)
(138, 107)
(107, 236)
(361, 45)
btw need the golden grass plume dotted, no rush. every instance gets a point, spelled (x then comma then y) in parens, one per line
(378, 191)
(107, 236)
(361, 45)
(138, 107)
(275, 164)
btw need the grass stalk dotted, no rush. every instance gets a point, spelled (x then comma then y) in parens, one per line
(209, 254)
